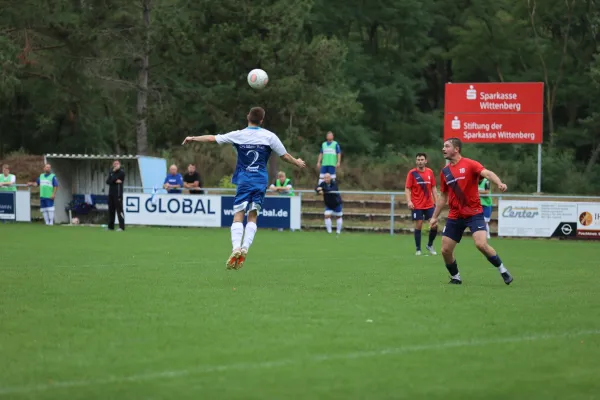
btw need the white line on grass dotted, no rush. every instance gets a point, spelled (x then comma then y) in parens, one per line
(285, 362)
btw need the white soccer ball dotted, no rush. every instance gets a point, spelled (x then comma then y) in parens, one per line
(258, 79)
(75, 221)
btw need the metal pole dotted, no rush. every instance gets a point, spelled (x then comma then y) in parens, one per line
(300, 194)
(539, 169)
(393, 204)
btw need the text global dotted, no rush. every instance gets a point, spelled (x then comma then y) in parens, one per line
(175, 205)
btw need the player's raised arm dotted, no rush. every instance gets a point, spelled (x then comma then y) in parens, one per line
(492, 177)
(201, 139)
(280, 150)
(298, 162)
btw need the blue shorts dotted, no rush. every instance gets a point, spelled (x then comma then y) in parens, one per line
(420, 215)
(335, 212)
(46, 203)
(487, 212)
(455, 228)
(327, 169)
(249, 197)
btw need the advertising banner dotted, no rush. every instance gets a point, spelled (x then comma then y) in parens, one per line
(537, 218)
(7, 206)
(277, 212)
(497, 128)
(205, 211)
(494, 112)
(588, 222)
(172, 210)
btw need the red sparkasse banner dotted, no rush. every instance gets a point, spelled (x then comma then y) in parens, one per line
(494, 128)
(513, 97)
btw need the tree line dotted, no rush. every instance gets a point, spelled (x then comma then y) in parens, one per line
(116, 76)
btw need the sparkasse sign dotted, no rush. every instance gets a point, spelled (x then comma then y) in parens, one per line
(498, 128)
(494, 112)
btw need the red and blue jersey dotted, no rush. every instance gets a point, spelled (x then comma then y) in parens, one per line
(461, 183)
(421, 185)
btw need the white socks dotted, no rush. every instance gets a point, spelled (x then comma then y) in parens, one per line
(328, 224)
(237, 231)
(502, 269)
(339, 225)
(48, 216)
(249, 235)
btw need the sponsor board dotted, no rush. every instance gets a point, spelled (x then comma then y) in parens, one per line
(7, 206)
(537, 218)
(510, 97)
(277, 212)
(172, 210)
(588, 220)
(498, 128)
(494, 112)
(205, 211)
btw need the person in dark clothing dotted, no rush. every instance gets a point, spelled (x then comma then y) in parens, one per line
(115, 196)
(192, 180)
(333, 202)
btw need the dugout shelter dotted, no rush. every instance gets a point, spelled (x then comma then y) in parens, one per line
(82, 177)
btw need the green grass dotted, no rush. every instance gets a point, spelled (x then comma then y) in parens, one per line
(153, 314)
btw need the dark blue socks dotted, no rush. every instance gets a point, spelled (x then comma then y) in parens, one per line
(432, 235)
(452, 268)
(418, 239)
(495, 261)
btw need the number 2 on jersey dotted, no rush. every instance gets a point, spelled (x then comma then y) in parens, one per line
(251, 167)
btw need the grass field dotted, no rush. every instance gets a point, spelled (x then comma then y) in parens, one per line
(152, 314)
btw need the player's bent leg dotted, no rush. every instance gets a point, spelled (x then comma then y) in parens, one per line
(448, 246)
(237, 233)
(451, 236)
(480, 239)
(249, 232)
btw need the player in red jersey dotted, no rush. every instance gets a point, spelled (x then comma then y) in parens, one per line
(421, 196)
(460, 190)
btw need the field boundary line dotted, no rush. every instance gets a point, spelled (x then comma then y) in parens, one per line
(534, 337)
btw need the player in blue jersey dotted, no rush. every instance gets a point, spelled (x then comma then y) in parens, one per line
(254, 146)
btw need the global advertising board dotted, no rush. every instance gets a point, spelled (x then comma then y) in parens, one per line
(172, 210)
(494, 112)
(205, 211)
(537, 218)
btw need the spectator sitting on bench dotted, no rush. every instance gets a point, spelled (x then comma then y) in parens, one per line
(173, 182)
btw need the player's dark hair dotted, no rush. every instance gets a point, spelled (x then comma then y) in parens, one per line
(256, 115)
(455, 142)
(421, 155)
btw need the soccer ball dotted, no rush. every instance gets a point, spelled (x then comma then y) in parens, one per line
(75, 221)
(258, 79)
